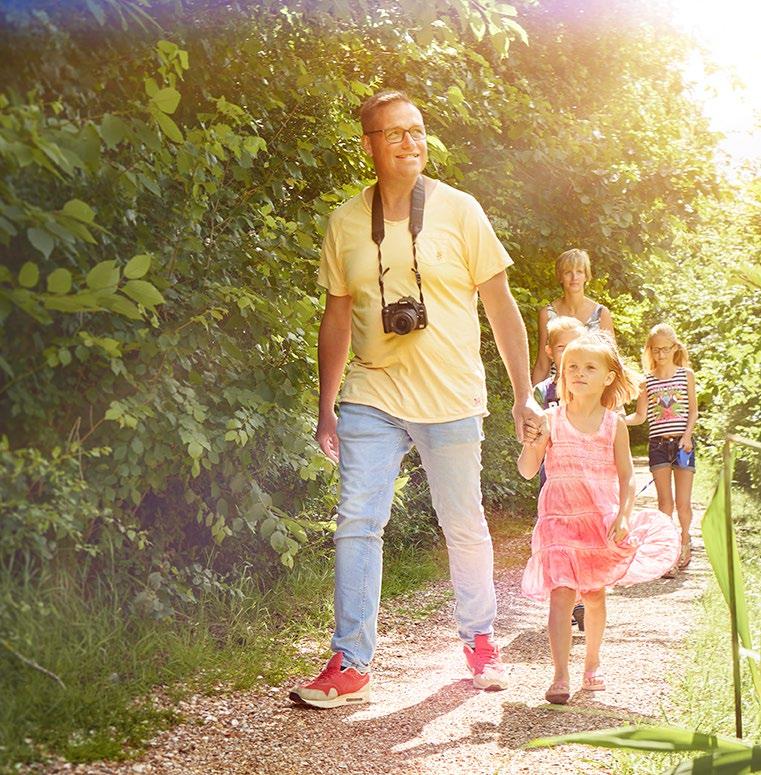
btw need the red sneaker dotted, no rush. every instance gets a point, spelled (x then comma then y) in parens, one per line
(483, 661)
(334, 686)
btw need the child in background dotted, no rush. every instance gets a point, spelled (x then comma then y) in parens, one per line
(587, 537)
(561, 331)
(668, 401)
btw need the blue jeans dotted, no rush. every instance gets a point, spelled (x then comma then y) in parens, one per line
(372, 445)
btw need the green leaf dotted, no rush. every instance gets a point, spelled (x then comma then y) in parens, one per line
(278, 542)
(59, 281)
(79, 210)
(80, 302)
(29, 275)
(717, 541)
(168, 127)
(167, 47)
(113, 130)
(151, 87)
(195, 450)
(103, 275)
(253, 144)
(80, 230)
(121, 306)
(41, 239)
(137, 266)
(646, 738)
(166, 99)
(64, 356)
(142, 292)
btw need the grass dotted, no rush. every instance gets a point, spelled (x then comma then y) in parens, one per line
(114, 664)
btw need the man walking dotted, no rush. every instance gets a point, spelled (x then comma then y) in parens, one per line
(403, 263)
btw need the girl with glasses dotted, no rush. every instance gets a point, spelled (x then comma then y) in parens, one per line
(668, 402)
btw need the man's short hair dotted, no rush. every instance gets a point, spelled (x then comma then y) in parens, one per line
(373, 104)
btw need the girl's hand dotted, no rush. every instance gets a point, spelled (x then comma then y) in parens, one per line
(618, 530)
(685, 442)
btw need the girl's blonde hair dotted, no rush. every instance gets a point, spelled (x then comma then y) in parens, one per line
(681, 358)
(557, 325)
(626, 383)
(570, 260)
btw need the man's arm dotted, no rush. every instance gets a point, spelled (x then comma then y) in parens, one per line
(332, 351)
(542, 364)
(510, 335)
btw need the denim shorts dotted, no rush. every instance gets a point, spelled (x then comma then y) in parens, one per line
(663, 453)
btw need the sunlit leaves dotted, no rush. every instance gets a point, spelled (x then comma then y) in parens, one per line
(59, 281)
(103, 275)
(81, 211)
(166, 100)
(137, 266)
(143, 293)
(29, 275)
(168, 127)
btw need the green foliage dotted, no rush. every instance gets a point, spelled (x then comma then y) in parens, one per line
(166, 184)
(725, 755)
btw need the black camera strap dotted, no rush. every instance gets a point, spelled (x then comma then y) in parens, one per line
(417, 205)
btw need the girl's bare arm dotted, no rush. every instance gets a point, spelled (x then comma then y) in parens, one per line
(625, 469)
(639, 415)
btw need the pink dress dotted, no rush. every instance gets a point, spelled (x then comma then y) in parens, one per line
(577, 505)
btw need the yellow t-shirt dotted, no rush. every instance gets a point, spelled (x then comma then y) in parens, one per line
(434, 374)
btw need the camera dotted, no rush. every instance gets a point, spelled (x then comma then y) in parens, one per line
(404, 316)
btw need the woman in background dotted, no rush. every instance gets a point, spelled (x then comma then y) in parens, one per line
(572, 270)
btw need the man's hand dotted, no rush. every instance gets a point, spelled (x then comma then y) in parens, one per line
(530, 422)
(326, 435)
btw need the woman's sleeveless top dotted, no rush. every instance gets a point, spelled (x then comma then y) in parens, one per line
(667, 404)
(593, 324)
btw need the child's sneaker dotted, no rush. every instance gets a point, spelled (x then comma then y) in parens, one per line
(334, 686)
(483, 662)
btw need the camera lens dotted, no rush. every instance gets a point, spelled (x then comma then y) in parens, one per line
(404, 321)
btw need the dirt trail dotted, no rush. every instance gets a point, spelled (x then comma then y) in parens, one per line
(425, 716)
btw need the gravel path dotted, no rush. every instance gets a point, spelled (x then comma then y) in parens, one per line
(425, 716)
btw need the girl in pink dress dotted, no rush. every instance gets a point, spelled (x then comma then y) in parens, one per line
(587, 537)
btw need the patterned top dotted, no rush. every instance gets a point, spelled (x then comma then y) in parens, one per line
(546, 393)
(593, 324)
(667, 404)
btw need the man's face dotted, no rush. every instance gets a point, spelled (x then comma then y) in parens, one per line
(396, 161)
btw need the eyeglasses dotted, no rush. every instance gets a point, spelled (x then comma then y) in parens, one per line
(664, 350)
(396, 134)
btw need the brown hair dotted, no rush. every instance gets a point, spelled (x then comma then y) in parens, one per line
(626, 383)
(573, 258)
(379, 100)
(681, 358)
(562, 323)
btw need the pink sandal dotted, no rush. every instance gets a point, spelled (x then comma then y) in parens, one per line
(593, 681)
(559, 693)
